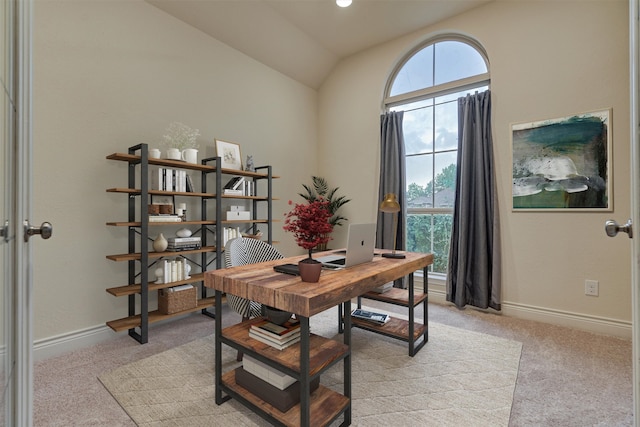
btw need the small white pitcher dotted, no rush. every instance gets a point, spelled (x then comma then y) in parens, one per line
(190, 155)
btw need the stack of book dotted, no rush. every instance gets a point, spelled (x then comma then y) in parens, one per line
(370, 316)
(383, 288)
(276, 336)
(184, 243)
(164, 218)
(238, 186)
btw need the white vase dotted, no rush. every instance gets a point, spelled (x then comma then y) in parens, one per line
(160, 243)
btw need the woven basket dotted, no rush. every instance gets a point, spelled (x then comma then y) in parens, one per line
(173, 302)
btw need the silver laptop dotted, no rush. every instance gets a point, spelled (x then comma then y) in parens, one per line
(361, 241)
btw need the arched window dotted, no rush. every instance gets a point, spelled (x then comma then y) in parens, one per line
(426, 85)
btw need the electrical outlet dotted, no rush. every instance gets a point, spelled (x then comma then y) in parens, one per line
(591, 287)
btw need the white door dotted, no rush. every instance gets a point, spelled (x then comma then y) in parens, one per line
(634, 55)
(16, 338)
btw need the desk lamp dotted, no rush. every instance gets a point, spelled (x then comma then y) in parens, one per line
(391, 205)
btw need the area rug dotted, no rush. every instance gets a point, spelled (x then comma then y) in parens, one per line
(459, 378)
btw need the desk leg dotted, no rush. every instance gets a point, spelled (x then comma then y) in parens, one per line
(347, 361)
(305, 389)
(218, 348)
(425, 310)
(412, 339)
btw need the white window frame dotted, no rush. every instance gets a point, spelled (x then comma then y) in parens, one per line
(468, 83)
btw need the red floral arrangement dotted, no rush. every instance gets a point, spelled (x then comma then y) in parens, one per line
(309, 223)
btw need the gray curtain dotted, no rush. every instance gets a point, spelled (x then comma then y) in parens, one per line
(474, 257)
(392, 180)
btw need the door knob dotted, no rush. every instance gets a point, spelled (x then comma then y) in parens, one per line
(612, 228)
(45, 230)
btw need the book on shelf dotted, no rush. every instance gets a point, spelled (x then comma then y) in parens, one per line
(280, 345)
(267, 373)
(230, 192)
(234, 183)
(370, 316)
(287, 329)
(167, 179)
(184, 239)
(164, 218)
(383, 288)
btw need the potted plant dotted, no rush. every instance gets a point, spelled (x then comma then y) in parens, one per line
(310, 226)
(319, 188)
(181, 142)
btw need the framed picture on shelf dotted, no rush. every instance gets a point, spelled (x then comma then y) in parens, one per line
(167, 203)
(229, 152)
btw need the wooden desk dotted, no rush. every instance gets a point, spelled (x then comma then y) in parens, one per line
(313, 354)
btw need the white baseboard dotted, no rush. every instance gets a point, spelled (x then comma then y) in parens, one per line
(60, 344)
(583, 322)
(64, 343)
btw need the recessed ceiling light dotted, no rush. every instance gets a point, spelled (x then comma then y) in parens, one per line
(343, 3)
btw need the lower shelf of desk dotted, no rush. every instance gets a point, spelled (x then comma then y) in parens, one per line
(326, 404)
(398, 328)
(395, 328)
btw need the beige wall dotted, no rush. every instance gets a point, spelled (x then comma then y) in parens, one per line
(548, 59)
(109, 75)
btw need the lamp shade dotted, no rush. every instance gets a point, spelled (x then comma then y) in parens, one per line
(390, 204)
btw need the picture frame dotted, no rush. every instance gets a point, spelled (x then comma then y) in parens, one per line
(229, 153)
(162, 199)
(563, 164)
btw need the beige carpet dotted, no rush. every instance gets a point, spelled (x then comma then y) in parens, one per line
(458, 378)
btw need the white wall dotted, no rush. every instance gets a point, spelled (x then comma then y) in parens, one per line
(112, 74)
(548, 59)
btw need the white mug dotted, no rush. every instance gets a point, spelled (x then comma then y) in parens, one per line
(154, 153)
(190, 155)
(173, 154)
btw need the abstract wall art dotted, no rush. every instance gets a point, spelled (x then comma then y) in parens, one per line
(563, 163)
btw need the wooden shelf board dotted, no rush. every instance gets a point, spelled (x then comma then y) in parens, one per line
(322, 351)
(137, 191)
(131, 158)
(122, 291)
(397, 328)
(131, 322)
(325, 404)
(397, 296)
(137, 256)
(151, 224)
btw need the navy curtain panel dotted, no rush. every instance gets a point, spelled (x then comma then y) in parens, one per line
(473, 275)
(392, 180)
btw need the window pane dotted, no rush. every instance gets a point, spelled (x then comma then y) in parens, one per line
(444, 185)
(446, 125)
(455, 60)
(430, 234)
(417, 127)
(419, 177)
(416, 73)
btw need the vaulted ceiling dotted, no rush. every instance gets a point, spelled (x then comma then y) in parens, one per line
(304, 39)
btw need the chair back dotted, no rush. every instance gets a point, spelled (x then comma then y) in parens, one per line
(243, 251)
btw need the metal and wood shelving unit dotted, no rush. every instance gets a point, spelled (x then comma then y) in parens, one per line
(140, 259)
